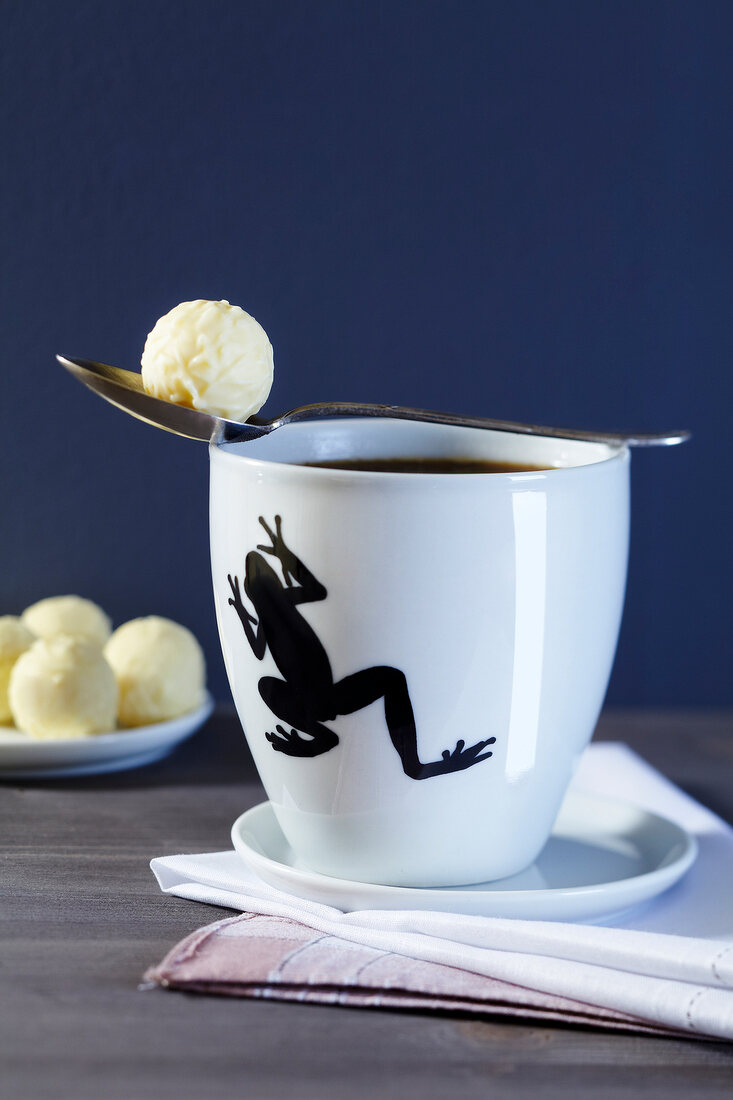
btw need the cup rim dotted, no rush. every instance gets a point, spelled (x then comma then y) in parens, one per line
(220, 450)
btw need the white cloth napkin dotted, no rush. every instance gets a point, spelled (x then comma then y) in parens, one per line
(670, 962)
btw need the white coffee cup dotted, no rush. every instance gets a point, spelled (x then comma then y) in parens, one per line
(418, 660)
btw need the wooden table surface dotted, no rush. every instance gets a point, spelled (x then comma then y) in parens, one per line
(82, 917)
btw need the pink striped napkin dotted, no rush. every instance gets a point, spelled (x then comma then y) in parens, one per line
(252, 955)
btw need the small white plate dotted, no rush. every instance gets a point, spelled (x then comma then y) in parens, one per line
(604, 856)
(24, 757)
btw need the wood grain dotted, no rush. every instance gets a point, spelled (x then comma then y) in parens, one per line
(81, 917)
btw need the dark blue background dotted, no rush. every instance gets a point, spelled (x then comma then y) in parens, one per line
(518, 209)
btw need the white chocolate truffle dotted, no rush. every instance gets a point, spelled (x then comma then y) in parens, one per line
(160, 670)
(14, 640)
(63, 687)
(210, 356)
(68, 615)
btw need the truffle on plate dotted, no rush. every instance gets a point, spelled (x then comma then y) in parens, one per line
(15, 638)
(68, 615)
(160, 670)
(63, 687)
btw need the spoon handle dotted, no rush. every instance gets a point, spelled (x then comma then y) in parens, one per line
(397, 412)
(124, 389)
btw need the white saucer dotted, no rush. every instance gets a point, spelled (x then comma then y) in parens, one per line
(23, 757)
(604, 856)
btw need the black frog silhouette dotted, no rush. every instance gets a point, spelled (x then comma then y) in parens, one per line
(307, 696)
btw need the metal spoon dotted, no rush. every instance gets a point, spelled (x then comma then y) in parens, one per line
(124, 388)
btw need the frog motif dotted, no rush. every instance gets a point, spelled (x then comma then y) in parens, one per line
(307, 697)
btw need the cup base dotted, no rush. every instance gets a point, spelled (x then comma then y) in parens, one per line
(584, 872)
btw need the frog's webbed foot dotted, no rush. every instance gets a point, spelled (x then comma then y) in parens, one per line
(294, 744)
(457, 760)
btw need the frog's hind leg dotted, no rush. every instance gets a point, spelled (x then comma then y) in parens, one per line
(287, 704)
(382, 682)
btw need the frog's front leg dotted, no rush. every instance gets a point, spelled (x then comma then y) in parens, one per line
(289, 705)
(257, 640)
(308, 588)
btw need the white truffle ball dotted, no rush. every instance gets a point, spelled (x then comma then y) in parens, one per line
(63, 687)
(210, 356)
(15, 638)
(68, 615)
(160, 670)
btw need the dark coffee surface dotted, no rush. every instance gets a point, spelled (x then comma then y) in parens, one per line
(415, 464)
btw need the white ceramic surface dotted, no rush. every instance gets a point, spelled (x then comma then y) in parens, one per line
(23, 757)
(603, 856)
(493, 600)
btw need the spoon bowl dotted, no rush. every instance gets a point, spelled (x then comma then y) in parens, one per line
(124, 388)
